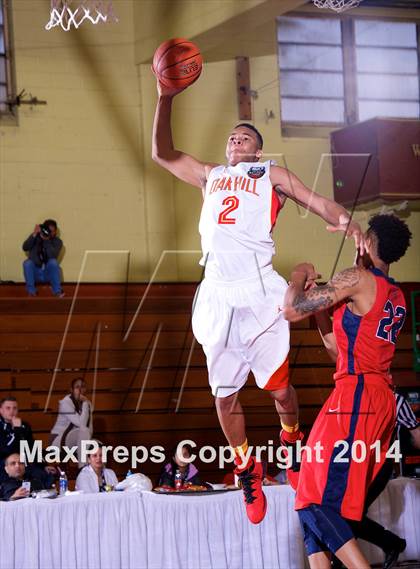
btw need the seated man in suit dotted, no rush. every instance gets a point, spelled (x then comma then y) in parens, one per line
(12, 488)
(12, 432)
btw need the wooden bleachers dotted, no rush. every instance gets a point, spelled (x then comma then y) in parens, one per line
(172, 403)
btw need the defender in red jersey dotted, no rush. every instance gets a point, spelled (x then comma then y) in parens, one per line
(359, 415)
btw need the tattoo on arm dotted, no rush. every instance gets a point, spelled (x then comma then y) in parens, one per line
(323, 297)
(347, 278)
(314, 300)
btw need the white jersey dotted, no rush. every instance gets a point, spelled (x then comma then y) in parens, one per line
(238, 214)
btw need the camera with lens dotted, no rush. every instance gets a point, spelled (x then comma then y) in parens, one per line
(45, 230)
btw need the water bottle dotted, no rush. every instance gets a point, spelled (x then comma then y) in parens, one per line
(178, 480)
(63, 483)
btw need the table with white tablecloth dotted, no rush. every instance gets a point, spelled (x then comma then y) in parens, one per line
(84, 531)
(130, 530)
(398, 509)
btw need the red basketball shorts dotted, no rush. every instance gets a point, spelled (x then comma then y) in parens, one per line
(354, 430)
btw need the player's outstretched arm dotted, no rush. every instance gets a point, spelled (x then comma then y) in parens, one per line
(335, 215)
(300, 303)
(182, 165)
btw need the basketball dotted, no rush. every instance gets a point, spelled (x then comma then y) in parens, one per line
(177, 63)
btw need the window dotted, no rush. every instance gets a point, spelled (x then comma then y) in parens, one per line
(387, 69)
(336, 72)
(311, 70)
(6, 83)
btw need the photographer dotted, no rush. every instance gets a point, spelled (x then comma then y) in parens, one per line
(43, 248)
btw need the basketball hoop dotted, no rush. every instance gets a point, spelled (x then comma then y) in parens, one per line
(337, 5)
(70, 13)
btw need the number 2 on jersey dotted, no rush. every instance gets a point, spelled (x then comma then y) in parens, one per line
(232, 203)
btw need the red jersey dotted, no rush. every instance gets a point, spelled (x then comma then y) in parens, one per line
(366, 344)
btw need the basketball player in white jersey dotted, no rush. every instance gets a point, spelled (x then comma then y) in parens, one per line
(237, 310)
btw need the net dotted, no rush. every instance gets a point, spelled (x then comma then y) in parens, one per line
(337, 5)
(70, 13)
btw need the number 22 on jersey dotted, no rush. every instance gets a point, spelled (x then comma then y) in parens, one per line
(232, 203)
(390, 325)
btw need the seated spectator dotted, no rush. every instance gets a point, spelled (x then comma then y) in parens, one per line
(94, 477)
(16, 473)
(12, 431)
(43, 247)
(189, 473)
(74, 420)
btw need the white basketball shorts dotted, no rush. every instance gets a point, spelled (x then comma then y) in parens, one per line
(241, 328)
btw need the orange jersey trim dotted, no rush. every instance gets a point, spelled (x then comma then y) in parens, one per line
(280, 378)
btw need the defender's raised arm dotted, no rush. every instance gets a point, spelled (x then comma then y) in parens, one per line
(301, 301)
